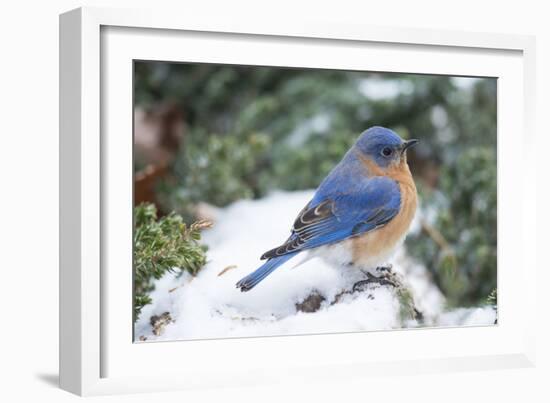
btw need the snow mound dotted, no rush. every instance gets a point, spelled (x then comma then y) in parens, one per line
(209, 305)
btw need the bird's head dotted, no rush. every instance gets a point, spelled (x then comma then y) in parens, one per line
(383, 146)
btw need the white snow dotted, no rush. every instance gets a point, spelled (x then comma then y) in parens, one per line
(319, 123)
(376, 88)
(468, 317)
(465, 82)
(209, 305)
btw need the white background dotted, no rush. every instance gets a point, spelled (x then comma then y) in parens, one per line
(28, 199)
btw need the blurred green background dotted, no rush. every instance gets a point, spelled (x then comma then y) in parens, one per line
(212, 134)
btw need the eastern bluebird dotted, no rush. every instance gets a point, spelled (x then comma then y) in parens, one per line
(359, 214)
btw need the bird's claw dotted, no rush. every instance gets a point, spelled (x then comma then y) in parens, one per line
(387, 278)
(384, 269)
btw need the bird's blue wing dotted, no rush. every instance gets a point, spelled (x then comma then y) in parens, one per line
(342, 212)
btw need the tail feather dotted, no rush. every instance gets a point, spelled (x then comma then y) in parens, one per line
(250, 281)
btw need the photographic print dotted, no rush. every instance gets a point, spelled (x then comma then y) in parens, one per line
(272, 201)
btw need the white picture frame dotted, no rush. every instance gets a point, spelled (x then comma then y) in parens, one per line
(96, 354)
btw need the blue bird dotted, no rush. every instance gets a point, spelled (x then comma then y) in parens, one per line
(359, 214)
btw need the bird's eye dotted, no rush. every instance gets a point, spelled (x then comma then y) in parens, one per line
(386, 151)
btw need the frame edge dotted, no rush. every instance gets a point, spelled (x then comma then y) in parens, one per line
(77, 374)
(70, 119)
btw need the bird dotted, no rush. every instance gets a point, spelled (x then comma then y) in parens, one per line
(359, 214)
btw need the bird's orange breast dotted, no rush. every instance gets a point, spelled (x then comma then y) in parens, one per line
(371, 249)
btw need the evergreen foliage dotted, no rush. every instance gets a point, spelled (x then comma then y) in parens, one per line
(162, 245)
(465, 269)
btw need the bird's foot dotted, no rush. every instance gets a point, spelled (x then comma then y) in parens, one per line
(384, 269)
(386, 277)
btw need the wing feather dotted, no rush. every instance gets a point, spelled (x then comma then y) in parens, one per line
(339, 216)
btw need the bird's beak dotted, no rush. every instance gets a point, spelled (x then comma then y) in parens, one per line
(407, 144)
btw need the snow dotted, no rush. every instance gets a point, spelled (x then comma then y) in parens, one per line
(209, 305)
(319, 123)
(465, 82)
(377, 89)
(469, 317)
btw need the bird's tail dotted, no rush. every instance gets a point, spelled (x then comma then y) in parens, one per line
(250, 281)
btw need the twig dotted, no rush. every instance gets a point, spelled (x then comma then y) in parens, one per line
(230, 267)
